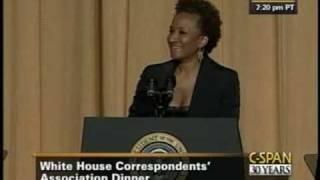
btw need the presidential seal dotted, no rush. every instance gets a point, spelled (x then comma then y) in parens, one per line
(160, 143)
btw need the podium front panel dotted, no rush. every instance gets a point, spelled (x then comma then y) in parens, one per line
(198, 135)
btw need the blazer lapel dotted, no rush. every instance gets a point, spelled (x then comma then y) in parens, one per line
(201, 89)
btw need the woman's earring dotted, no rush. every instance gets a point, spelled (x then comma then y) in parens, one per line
(200, 55)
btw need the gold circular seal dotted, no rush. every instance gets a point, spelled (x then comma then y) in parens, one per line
(159, 143)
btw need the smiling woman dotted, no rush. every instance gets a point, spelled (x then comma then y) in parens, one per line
(191, 84)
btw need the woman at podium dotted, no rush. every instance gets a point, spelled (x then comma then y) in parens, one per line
(191, 84)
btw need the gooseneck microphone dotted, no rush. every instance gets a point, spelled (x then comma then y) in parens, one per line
(161, 93)
(171, 83)
(152, 86)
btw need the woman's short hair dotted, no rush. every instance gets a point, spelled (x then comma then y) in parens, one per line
(209, 20)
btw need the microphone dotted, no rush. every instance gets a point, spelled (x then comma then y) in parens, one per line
(171, 83)
(161, 92)
(152, 87)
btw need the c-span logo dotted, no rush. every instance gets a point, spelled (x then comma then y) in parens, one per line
(270, 164)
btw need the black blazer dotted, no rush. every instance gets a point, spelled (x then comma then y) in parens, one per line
(216, 92)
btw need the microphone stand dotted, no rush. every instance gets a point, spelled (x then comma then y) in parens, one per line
(161, 98)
